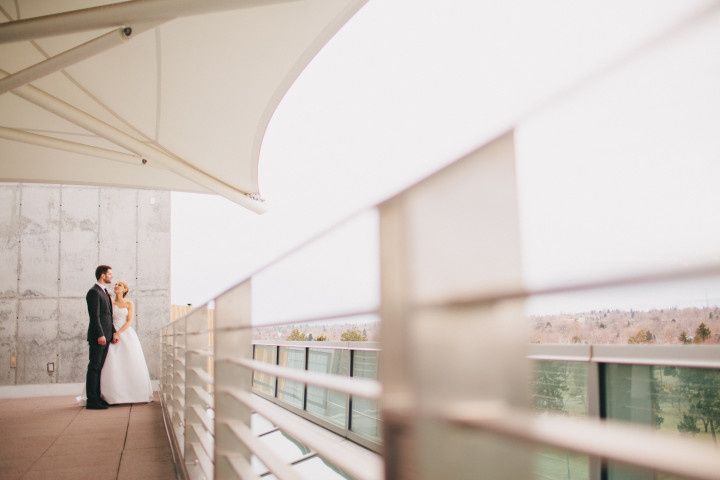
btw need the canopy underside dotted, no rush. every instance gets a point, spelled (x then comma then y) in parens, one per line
(176, 104)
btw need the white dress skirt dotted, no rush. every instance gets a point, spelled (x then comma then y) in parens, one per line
(125, 377)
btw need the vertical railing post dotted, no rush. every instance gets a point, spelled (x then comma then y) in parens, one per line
(166, 366)
(306, 368)
(277, 362)
(600, 467)
(349, 403)
(178, 387)
(454, 235)
(233, 339)
(198, 400)
(595, 407)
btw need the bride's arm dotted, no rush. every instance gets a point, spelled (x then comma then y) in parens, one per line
(131, 310)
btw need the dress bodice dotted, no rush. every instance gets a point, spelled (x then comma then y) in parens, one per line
(120, 315)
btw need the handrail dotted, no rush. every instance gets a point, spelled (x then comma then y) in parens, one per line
(333, 316)
(695, 356)
(369, 346)
(474, 301)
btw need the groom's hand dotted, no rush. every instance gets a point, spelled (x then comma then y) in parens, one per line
(102, 341)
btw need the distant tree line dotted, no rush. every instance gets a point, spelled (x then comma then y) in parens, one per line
(351, 335)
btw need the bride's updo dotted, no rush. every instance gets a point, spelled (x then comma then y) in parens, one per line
(125, 288)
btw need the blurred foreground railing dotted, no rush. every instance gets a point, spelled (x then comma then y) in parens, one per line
(452, 388)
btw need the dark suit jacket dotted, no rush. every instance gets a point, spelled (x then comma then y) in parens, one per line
(100, 311)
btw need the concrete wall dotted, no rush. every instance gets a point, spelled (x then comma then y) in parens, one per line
(51, 239)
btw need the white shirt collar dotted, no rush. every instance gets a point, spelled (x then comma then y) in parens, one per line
(102, 286)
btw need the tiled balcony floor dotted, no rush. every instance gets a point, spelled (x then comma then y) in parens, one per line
(53, 438)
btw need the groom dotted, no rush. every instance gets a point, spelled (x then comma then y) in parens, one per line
(100, 331)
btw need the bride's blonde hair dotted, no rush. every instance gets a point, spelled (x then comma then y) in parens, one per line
(125, 288)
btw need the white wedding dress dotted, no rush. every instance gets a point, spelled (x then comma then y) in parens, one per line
(125, 377)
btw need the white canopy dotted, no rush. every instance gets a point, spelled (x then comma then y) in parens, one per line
(177, 95)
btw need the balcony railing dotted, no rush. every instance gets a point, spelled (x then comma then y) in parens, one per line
(354, 417)
(588, 370)
(452, 385)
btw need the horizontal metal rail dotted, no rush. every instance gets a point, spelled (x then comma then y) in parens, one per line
(314, 344)
(333, 316)
(359, 470)
(203, 396)
(628, 444)
(202, 353)
(203, 459)
(203, 438)
(201, 374)
(202, 416)
(682, 356)
(240, 466)
(365, 388)
(271, 460)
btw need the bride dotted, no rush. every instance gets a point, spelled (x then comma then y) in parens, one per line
(125, 377)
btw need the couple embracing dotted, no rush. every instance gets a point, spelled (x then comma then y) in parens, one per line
(117, 372)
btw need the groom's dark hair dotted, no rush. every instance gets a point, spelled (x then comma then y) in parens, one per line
(100, 270)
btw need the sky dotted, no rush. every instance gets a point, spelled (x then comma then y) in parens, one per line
(616, 150)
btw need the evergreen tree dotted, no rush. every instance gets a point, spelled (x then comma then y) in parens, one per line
(551, 384)
(688, 424)
(699, 389)
(702, 333)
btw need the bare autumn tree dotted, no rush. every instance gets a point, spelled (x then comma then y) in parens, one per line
(642, 336)
(353, 335)
(296, 335)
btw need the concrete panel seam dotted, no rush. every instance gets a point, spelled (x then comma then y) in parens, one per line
(99, 225)
(19, 265)
(60, 238)
(137, 254)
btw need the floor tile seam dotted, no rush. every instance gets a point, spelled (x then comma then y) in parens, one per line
(79, 409)
(127, 427)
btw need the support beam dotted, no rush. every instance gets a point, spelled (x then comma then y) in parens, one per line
(67, 146)
(72, 56)
(149, 154)
(116, 15)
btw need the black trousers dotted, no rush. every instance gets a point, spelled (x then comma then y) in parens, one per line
(92, 381)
